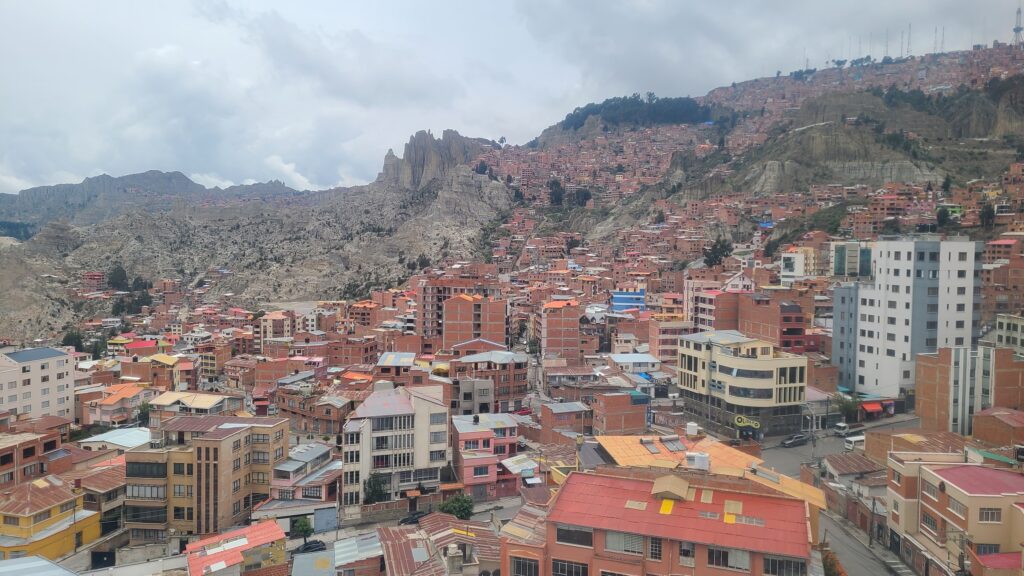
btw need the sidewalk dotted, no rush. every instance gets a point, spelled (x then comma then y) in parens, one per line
(878, 550)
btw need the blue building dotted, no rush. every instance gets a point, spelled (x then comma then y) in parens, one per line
(622, 300)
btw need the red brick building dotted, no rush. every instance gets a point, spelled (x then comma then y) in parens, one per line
(620, 414)
(472, 316)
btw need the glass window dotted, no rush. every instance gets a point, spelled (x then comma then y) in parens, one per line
(990, 515)
(575, 535)
(624, 542)
(524, 566)
(729, 558)
(784, 567)
(566, 568)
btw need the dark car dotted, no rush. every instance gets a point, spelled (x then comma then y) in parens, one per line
(310, 546)
(795, 440)
(413, 518)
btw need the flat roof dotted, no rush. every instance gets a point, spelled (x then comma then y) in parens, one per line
(126, 437)
(35, 565)
(34, 354)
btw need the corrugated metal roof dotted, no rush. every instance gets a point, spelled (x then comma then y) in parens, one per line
(34, 354)
(35, 565)
(126, 437)
(356, 548)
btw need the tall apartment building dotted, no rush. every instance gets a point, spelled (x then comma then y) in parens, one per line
(277, 324)
(955, 383)
(38, 382)
(469, 317)
(850, 259)
(560, 331)
(1009, 332)
(431, 294)
(925, 293)
(507, 370)
(603, 525)
(400, 437)
(200, 475)
(724, 375)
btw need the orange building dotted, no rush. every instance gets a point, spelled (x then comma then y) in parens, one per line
(469, 317)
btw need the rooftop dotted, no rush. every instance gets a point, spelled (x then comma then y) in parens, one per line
(484, 422)
(35, 354)
(713, 517)
(195, 400)
(567, 407)
(719, 337)
(34, 565)
(495, 357)
(982, 481)
(222, 550)
(385, 403)
(397, 359)
(125, 437)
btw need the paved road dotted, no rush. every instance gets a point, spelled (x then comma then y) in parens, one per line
(853, 555)
(788, 460)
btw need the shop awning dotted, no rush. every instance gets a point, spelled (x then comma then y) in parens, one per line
(872, 406)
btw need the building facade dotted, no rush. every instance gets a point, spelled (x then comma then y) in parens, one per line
(38, 382)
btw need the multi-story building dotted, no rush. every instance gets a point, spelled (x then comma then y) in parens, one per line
(472, 316)
(1009, 332)
(277, 324)
(25, 456)
(310, 473)
(664, 336)
(940, 507)
(506, 370)
(599, 524)
(716, 310)
(103, 488)
(850, 259)
(38, 382)
(200, 475)
(117, 405)
(46, 517)
(620, 413)
(431, 294)
(171, 404)
(775, 320)
(955, 383)
(560, 331)
(398, 436)
(924, 294)
(480, 442)
(742, 383)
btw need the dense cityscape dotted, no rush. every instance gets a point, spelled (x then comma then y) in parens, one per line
(775, 330)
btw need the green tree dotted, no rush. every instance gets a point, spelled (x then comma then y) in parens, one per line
(659, 217)
(717, 252)
(422, 261)
(891, 226)
(73, 338)
(98, 348)
(533, 346)
(942, 217)
(373, 488)
(144, 414)
(301, 528)
(556, 192)
(481, 168)
(118, 278)
(847, 407)
(947, 184)
(987, 216)
(139, 284)
(460, 506)
(583, 196)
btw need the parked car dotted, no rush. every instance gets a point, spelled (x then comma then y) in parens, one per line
(413, 518)
(524, 411)
(310, 546)
(794, 440)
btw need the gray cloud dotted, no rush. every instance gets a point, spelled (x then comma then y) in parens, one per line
(314, 94)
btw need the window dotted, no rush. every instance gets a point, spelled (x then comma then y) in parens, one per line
(312, 492)
(183, 513)
(784, 567)
(260, 457)
(897, 478)
(624, 542)
(729, 558)
(929, 522)
(575, 535)
(472, 444)
(236, 464)
(686, 550)
(11, 520)
(438, 418)
(566, 568)
(524, 566)
(41, 517)
(236, 508)
(654, 548)
(990, 515)
(259, 478)
(480, 471)
(145, 492)
(929, 489)
(350, 498)
(146, 470)
(182, 490)
(351, 456)
(983, 549)
(261, 438)
(957, 507)
(236, 486)
(438, 437)
(438, 455)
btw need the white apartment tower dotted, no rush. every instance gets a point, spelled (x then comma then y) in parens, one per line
(924, 294)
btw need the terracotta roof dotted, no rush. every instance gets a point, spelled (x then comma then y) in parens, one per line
(713, 517)
(851, 463)
(222, 550)
(100, 479)
(444, 529)
(1008, 416)
(118, 392)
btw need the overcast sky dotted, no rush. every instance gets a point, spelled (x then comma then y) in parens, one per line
(314, 93)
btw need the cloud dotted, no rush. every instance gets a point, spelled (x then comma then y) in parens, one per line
(315, 93)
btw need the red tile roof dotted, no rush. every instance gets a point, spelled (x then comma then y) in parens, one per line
(601, 502)
(1004, 561)
(202, 554)
(979, 480)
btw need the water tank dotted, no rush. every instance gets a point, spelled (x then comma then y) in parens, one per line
(698, 461)
(692, 428)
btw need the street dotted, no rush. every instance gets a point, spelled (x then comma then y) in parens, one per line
(852, 553)
(788, 460)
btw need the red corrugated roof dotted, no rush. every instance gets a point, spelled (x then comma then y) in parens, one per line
(1004, 561)
(199, 558)
(600, 502)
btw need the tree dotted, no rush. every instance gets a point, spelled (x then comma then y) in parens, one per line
(460, 506)
(533, 346)
(481, 168)
(73, 338)
(501, 140)
(987, 216)
(947, 184)
(301, 528)
(144, 414)
(373, 488)
(98, 348)
(139, 284)
(942, 217)
(582, 197)
(891, 226)
(422, 261)
(556, 192)
(659, 217)
(118, 278)
(847, 407)
(717, 252)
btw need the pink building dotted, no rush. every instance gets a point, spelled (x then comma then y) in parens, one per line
(480, 443)
(118, 405)
(310, 473)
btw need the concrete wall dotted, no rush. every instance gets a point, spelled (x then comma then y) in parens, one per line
(142, 568)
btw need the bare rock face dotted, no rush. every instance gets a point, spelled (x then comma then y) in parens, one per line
(427, 158)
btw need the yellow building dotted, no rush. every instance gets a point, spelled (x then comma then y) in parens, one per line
(731, 382)
(45, 517)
